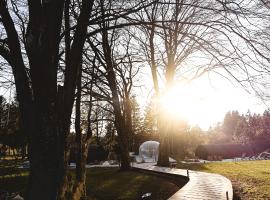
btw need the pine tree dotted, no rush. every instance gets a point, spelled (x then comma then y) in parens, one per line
(149, 121)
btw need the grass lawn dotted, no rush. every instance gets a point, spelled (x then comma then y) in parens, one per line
(107, 183)
(12, 179)
(102, 183)
(250, 179)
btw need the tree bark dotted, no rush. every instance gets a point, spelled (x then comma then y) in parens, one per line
(78, 189)
(45, 116)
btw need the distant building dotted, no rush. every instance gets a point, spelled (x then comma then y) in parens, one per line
(225, 151)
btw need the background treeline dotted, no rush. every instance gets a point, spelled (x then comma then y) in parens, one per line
(241, 128)
(184, 138)
(12, 141)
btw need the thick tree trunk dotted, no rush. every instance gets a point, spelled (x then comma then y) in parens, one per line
(123, 137)
(164, 128)
(125, 162)
(163, 156)
(46, 150)
(123, 140)
(165, 123)
(44, 118)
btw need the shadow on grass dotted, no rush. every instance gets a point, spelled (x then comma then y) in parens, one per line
(15, 184)
(102, 183)
(174, 180)
(130, 185)
(180, 181)
(13, 179)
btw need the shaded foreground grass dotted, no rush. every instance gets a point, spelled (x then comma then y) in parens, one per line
(250, 179)
(13, 179)
(107, 183)
(102, 183)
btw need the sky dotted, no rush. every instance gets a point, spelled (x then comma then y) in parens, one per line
(204, 102)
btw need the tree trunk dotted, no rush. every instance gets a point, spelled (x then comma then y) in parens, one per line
(119, 117)
(128, 120)
(79, 188)
(81, 148)
(23, 149)
(123, 141)
(164, 128)
(46, 151)
(45, 115)
(163, 158)
(125, 162)
(123, 138)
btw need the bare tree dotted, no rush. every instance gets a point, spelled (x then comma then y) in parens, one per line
(45, 116)
(182, 40)
(47, 52)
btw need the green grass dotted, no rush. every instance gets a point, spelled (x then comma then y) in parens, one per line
(107, 183)
(12, 179)
(102, 183)
(251, 179)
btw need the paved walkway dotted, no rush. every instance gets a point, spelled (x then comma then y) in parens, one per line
(201, 185)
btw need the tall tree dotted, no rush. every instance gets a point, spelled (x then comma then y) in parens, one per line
(45, 116)
(185, 39)
(230, 123)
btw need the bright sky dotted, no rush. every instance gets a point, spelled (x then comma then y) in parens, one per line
(202, 102)
(205, 102)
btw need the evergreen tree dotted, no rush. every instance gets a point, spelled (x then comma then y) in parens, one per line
(149, 121)
(230, 123)
(240, 131)
(137, 119)
(266, 123)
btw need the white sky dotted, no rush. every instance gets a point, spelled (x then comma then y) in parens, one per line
(202, 102)
(205, 102)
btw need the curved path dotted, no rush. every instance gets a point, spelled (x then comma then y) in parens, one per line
(201, 185)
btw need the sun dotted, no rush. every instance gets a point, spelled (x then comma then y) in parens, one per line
(178, 102)
(203, 102)
(190, 103)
